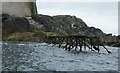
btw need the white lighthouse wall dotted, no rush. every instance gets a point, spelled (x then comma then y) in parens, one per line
(19, 9)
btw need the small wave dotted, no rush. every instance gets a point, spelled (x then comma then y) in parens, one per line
(21, 44)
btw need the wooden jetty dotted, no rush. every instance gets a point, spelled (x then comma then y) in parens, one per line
(75, 41)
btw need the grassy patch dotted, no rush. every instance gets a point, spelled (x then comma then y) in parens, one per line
(20, 36)
(35, 36)
(43, 33)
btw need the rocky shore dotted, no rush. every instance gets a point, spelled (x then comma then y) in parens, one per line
(37, 27)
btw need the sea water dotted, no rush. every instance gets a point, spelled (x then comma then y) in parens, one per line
(43, 57)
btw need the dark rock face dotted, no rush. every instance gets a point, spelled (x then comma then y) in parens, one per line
(17, 24)
(14, 24)
(65, 24)
(71, 25)
(45, 21)
(116, 41)
(58, 25)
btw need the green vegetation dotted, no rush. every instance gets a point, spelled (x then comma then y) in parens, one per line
(36, 36)
(20, 36)
(43, 33)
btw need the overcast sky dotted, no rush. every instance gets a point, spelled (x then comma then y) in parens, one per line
(77, 0)
(103, 15)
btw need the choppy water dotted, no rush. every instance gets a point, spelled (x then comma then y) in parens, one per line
(43, 57)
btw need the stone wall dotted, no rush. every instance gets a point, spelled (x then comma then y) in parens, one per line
(19, 9)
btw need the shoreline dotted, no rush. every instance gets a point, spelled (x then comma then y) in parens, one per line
(27, 42)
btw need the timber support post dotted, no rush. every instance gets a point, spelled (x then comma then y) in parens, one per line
(74, 41)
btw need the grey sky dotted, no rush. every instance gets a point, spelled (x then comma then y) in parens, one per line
(103, 15)
(77, 0)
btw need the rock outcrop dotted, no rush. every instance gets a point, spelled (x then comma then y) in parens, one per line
(12, 24)
(71, 25)
(43, 25)
(65, 24)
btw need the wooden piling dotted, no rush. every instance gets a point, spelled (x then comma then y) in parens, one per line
(74, 41)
